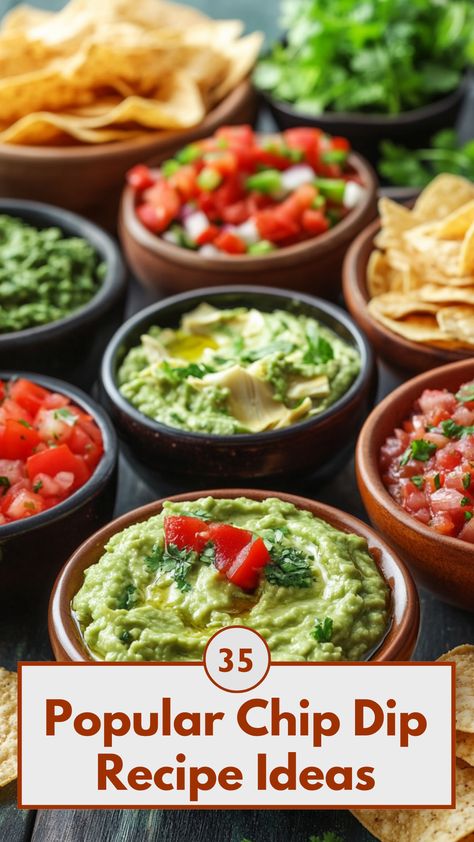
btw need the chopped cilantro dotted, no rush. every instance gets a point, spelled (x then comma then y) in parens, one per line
(467, 515)
(266, 350)
(419, 449)
(465, 501)
(25, 423)
(322, 631)
(466, 480)
(179, 373)
(129, 597)
(64, 414)
(154, 560)
(418, 480)
(38, 486)
(466, 393)
(208, 554)
(173, 560)
(125, 637)
(4, 484)
(289, 568)
(437, 481)
(319, 350)
(455, 431)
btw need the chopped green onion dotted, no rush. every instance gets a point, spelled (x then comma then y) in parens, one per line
(262, 247)
(209, 179)
(334, 156)
(189, 154)
(331, 188)
(266, 181)
(169, 167)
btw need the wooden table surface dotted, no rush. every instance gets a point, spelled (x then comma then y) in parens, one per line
(23, 636)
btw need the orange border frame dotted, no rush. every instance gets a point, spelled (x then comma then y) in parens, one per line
(132, 664)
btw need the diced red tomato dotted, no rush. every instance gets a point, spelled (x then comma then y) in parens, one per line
(228, 542)
(28, 395)
(190, 533)
(275, 225)
(314, 221)
(230, 243)
(140, 177)
(208, 236)
(243, 134)
(56, 459)
(18, 439)
(184, 181)
(246, 569)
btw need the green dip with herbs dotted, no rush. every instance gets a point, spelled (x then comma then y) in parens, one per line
(44, 275)
(321, 598)
(237, 371)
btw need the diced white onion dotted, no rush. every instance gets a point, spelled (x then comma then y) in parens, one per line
(353, 194)
(195, 224)
(248, 232)
(209, 251)
(297, 176)
(170, 237)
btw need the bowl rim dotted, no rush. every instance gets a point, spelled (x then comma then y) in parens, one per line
(63, 628)
(71, 224)
(113, 149)
(98, 478)
(328, 241)
(372, 119)
(367, 467)
(354, 285)
(109, 385)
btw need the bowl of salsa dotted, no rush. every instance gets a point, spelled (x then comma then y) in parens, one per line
(415, 470)
(239, 203)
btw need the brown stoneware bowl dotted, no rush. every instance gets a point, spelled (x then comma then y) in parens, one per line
(400, 353)
(298, 449)
(89, 178)
(32, 550)
(311, 266)
(398, 644)
(366, 131)
(443, 564)
(71, 347)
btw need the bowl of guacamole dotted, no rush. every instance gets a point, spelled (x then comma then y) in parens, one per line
(60, 278)
(157, 583)
(238, 382)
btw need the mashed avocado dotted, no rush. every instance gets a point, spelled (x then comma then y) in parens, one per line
(237, 371)
(320, 599)
(44, 276)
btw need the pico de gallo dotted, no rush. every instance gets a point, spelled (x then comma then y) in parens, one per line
(48, 449)
(239, 193)
(428, 464)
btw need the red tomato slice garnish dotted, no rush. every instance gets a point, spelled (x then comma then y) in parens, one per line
(246, 569)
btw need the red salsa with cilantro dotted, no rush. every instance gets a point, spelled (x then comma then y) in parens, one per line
(239, 192)
(49, 448)
(428, 464)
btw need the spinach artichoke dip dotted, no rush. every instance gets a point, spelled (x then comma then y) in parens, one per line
(237, 371)
(163, 587)
(44, 275)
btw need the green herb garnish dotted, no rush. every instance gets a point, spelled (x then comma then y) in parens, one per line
(125, 636)
(466, 392)
(323, 630)
(4, 484)
(419, 449)
(38, 486)
(437, 481)
(208, 554)
(289, 568)
(454, 431)
(467, 515)
(418, 480)
(129, 597)
(319, 350)
(466, 480)
(417, 167)
(64, 414)
(465, 501)
(25, 423)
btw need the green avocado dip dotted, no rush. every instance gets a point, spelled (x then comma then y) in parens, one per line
(237, 371)
(320, 597)
(44, 275)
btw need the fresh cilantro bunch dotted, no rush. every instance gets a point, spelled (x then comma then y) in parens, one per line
(417, 167)
(377, 56)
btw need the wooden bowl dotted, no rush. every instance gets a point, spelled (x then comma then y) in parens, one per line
(35, 548)
(366, 131)
(398, 644)
(295, 450)
(400, 353)
(444, 565)
(90, 177)
(311, 266)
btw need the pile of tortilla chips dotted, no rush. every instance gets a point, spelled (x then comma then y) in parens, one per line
(8, 726)
(441, 825)
(107, 70)
(421, 275)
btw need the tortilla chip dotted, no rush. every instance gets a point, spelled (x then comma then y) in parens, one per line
(456, 225)
(463, 657)
(416, 328)
(397, 305)
(446, 294)
(466, 258)
(465, 747)
(458, 321)
(426, 825)
(445, 194)
(378, 280)
(8, 726)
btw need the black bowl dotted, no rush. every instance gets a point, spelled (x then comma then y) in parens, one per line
(71, 347)
(34, 549)
(164, 452)
(412, 128)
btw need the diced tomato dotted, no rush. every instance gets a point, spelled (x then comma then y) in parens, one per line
(448, 458)
(12, 470)
(54, 400)
(274, 225)
(467, 532)
(308, 140)
(246, 568)
(12, 409)
(340, 143)
(24, 504)
(208, 236)
(165, 202)
(230, 243)
(314, 221)
(28, 395)
(237, 213)
(243, 134)
(18, 440)
(225, 162)
(56, 459)
(190, 533)
(184, 181)
(140, 177)
(228, 542)
(50, 426)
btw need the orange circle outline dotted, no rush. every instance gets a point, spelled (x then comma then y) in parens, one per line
(227, 689)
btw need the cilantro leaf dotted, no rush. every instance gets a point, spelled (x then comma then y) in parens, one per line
(466, 393)
(4, 485)
(289, 568)
(128, 598)
(419, 449)
(318, 350)
(172, 560)
(454, 431)
(323, 629)
(418, 480)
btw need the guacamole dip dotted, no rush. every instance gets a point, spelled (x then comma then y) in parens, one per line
(318, 597)
(44, 276)
(237, 371)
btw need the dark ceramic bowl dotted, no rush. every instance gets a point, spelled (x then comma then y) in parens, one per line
(399, 353)
(365, 131)
(71, 347)
(444, 565)
(296, 450)
(397, 645)
(33, 549)
(312, 266)
(88, 178)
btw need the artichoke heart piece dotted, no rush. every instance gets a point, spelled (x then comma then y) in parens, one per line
(316, 387)
(205, 317)
(155, 351)
(250, 399)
